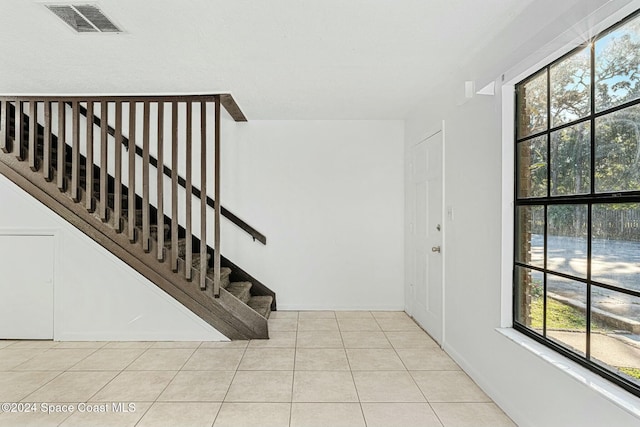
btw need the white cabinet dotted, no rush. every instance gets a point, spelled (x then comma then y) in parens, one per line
(26, 286)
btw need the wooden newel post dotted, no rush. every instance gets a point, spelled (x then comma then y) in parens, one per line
(216, 249)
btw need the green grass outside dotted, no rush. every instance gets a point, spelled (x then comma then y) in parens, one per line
(559, 316)
(632, 372)
(564, 317)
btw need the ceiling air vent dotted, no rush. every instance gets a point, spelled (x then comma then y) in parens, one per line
(84, 18)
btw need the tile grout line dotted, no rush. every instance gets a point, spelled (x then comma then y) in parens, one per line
(176, 374)
(172, 378)
(364, 418)
(293, 379)
(67, 370)
(185, 363)
(59, 374)
(116, 376)
(52, 379)
(395, 350)
(235, 372)
(414, 380)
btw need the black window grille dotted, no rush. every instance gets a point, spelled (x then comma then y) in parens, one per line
(576, 276)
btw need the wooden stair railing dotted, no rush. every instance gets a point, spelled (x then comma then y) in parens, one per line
(97, 183)
(237, 115)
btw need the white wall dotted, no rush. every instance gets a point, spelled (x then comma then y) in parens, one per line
(531, 390)
(328, 196)
(97, 296)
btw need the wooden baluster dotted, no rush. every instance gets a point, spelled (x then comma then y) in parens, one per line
(216, 233)
(203, 195)
(75, 150)
(89, 160)
(62, 145)
(145, 179)
(188, 190)
(4, 126)
(174, 186)
(132, 171)
(104, 161)
(46, 142)
(33, 134)
(117, 175)
(160, 178)
(19, 130)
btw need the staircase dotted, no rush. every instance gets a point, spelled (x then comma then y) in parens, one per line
(88, 174)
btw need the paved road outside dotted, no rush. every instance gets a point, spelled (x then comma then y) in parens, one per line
(614, 262)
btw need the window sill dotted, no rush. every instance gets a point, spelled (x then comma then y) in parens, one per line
(607, 390)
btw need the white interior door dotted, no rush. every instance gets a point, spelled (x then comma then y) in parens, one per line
(427, 236)
(26, 287)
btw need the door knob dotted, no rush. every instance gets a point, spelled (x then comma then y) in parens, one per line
(435, 249)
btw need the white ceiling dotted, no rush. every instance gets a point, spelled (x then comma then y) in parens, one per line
(281, 59)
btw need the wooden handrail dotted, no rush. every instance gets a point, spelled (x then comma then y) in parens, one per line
(153, 161)
(226, 100)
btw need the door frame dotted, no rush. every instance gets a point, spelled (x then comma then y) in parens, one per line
(410, 218)
(57, 250)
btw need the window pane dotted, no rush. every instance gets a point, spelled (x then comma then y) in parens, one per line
(571, 160)
(570, 88)
(532, 105)
(529, 294)
(532, 165)
(567, 239)
(618, 151)
(577, 220)
(615, 328)
(566, 318)
(615, 248)
(530, 235)
(618, 66)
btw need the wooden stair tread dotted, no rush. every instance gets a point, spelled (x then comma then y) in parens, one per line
(182, 247)
(240, 290)
(261, 304)
(225, 276)
(196, 260)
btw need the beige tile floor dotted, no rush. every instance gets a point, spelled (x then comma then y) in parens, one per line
(318, 369)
